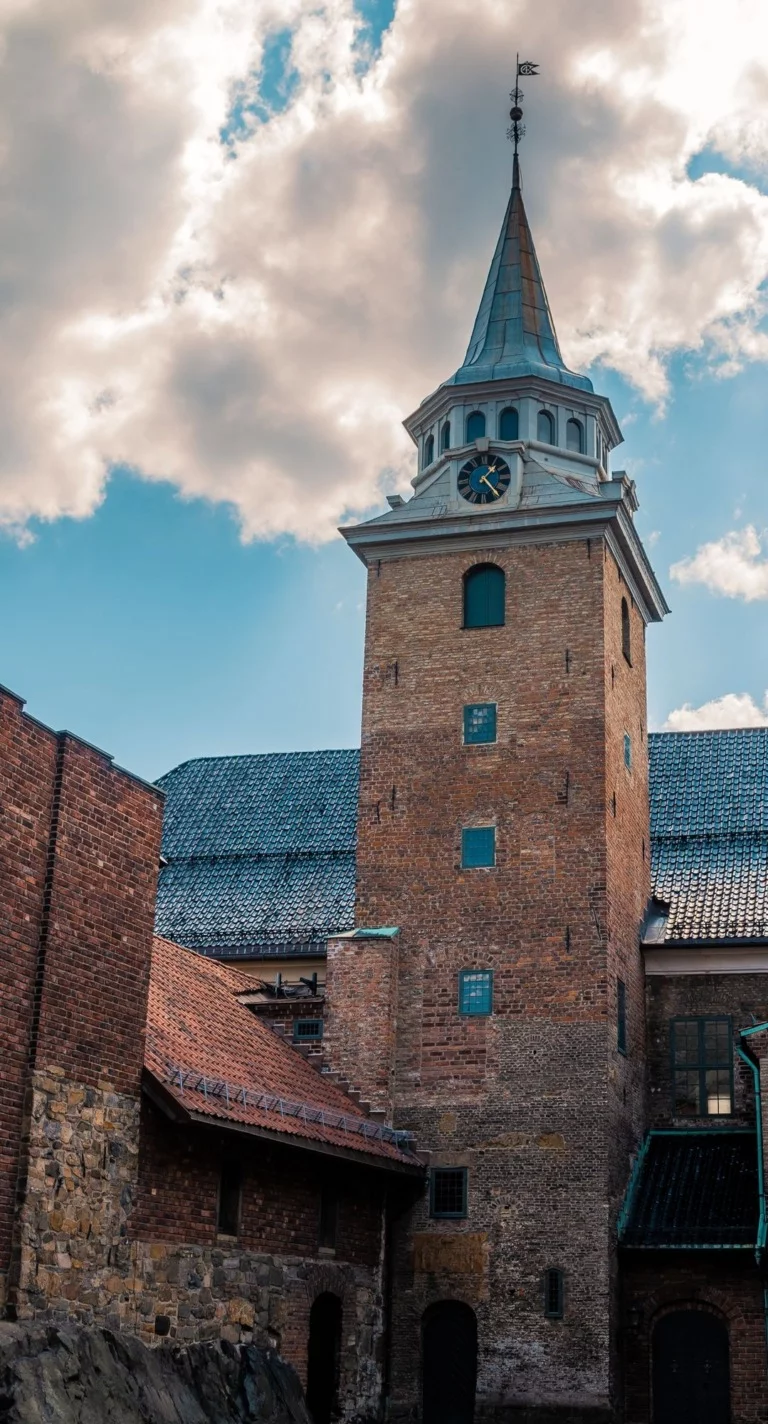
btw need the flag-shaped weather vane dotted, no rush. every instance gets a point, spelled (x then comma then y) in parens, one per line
(516, 131)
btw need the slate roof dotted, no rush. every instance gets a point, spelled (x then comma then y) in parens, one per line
(693, 1189)
(235, 1070)
(709, 832)
(260, 851)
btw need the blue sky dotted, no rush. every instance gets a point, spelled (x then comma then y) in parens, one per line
(206, 609)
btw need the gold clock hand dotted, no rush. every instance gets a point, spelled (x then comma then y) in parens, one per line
(485, 481)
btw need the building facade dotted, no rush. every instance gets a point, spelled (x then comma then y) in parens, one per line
(515, 937)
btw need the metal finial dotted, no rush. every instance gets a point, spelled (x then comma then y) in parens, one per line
(516, 131)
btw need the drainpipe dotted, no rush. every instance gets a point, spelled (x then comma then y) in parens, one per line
(752, 1063)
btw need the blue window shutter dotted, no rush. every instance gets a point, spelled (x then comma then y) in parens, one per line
(478, 847)
(484, 597)
(480, 722)
(509, 424)
(475, 425)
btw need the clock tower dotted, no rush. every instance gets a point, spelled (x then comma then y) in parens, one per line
(503, 829)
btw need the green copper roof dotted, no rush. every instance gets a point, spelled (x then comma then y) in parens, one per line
(514, 334)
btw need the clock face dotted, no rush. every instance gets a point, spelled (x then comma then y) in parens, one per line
(483, 479)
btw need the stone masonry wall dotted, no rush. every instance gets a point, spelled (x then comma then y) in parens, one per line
(78, 873)
(127, 1239)
(528, 1099)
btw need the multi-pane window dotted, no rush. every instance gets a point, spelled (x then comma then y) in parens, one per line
(702, 1067)
(627, 751)
(554, 1294)
(448, 1191)
(307, 1030)
(621, 1016)
(480, 722)
(478, 847)
(476, 991)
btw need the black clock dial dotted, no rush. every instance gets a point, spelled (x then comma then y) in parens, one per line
(483, 479)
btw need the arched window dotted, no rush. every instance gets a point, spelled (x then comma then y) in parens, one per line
(429, 450)
(545, 428)
(484, 596)
(626, 632)
(574, 436)
(445, 436)
(508, 424)
(475, 426)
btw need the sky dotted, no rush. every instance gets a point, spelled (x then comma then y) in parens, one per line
(242, 239)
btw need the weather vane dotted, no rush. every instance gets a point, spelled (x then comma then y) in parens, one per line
(516, 131)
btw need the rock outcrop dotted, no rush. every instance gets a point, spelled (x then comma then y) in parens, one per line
(52, 1375)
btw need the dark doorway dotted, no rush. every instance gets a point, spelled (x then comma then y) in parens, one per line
(449, 1363)
(691, 1371)
(324, 1358)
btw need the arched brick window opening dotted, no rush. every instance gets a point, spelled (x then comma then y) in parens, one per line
(484, 589)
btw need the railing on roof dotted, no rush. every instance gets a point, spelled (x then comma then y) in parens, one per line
(233, 1094)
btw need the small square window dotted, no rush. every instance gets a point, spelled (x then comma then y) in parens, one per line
(448, 1191)
(478, 847)
(554, 1295)
(476, 991)
(307, 1030)
(627, 751)
(479, 723)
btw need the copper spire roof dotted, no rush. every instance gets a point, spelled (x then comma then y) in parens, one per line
(514, 334)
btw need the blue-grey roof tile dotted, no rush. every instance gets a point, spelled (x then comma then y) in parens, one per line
(709, 832)
(260, 849)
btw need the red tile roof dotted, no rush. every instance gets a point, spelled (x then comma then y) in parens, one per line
(217, 1060)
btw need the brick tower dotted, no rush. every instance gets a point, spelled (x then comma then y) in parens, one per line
(503, 828)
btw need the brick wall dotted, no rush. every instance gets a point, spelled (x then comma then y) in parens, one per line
(361, 991)
(80, 852)
(535, 1100)
(178, 1193)
(729, 1288)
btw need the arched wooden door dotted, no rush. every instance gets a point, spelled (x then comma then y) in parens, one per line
(449, 1363)
(324, 1358)
(691, 1369)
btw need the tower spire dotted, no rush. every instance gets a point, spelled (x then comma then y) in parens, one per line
(514, 334)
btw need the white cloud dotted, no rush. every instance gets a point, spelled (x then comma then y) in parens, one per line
(734, 709)
(251, 320)
(731, 565)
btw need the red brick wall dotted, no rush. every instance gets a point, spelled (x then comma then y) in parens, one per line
(27, 770)
(361, 989)
(729, 1287)
(80, 852)
(535, 1100)
(178, 1193)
